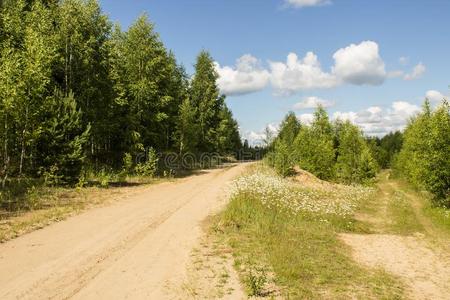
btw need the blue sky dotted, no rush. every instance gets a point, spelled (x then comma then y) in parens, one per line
(372, 62)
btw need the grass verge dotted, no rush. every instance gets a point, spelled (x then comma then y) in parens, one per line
(296, 253)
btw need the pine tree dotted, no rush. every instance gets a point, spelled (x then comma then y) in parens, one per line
(61, 144)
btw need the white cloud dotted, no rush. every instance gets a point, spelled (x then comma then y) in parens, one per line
(378, 121)
(360, 64)
(256, 138)
(306, 3)
(356, 64)
(403, 60)
(395, 74)
(306, 118)
(435, 96)
(416, 73)
(312, 102)
(246, 77)
(299, 74)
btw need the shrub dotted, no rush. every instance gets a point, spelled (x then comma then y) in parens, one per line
(150, 166)
(283, 161)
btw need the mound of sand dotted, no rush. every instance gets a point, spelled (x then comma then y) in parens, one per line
(308, 179)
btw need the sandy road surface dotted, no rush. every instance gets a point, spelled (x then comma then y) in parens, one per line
(137, 248)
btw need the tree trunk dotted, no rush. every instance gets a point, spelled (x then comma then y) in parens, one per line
(5, 154)
(22, 152)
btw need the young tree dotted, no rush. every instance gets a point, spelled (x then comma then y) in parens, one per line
(205, 96)
(37, 58)
(424, 158)
(187, 127)
(315, 153)
(229, 140)
(289, 128)
(83, 67)
(354, 161)
(314, 146)
(62, 141)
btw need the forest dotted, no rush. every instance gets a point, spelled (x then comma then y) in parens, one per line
(339, 150)
(78, 94)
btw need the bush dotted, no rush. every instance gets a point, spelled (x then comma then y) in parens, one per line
(424, 159)
(150, 166)
(283, 160)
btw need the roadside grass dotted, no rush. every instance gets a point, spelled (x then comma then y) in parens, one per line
(403, 216)
(427, 213)
(292, 249)
(440, 216)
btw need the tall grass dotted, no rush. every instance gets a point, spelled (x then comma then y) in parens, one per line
(298, 245)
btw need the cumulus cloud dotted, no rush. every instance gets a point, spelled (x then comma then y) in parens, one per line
(378, 121)
(256, 138)
(246, 77)
(312, 102)
(416, 73)
(305, 118)
(360, 64)
(435, 96)
(306, 3)
(299, 74)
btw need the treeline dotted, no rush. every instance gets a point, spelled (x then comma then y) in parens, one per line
(425, 156)
(78, 92)
(330, 150)
(386, 148)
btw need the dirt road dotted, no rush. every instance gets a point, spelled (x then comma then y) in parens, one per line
(136, 248)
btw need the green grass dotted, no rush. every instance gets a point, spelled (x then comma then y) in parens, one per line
(302, 251)
(440, 216)
(404, 219)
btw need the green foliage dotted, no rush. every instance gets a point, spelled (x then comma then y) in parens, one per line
(283, 160)
(329, 151)
(205, 96)
(314, 147)
(354, 162)
(289, 128)
(127, 162)
(150, 166)
(424, 159)
(61, 143)
(187, 127)
(76, 92)
(256, 280)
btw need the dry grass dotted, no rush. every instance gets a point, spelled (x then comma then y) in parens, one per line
(46, 205)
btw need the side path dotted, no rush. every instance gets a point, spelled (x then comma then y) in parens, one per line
(405, 242)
